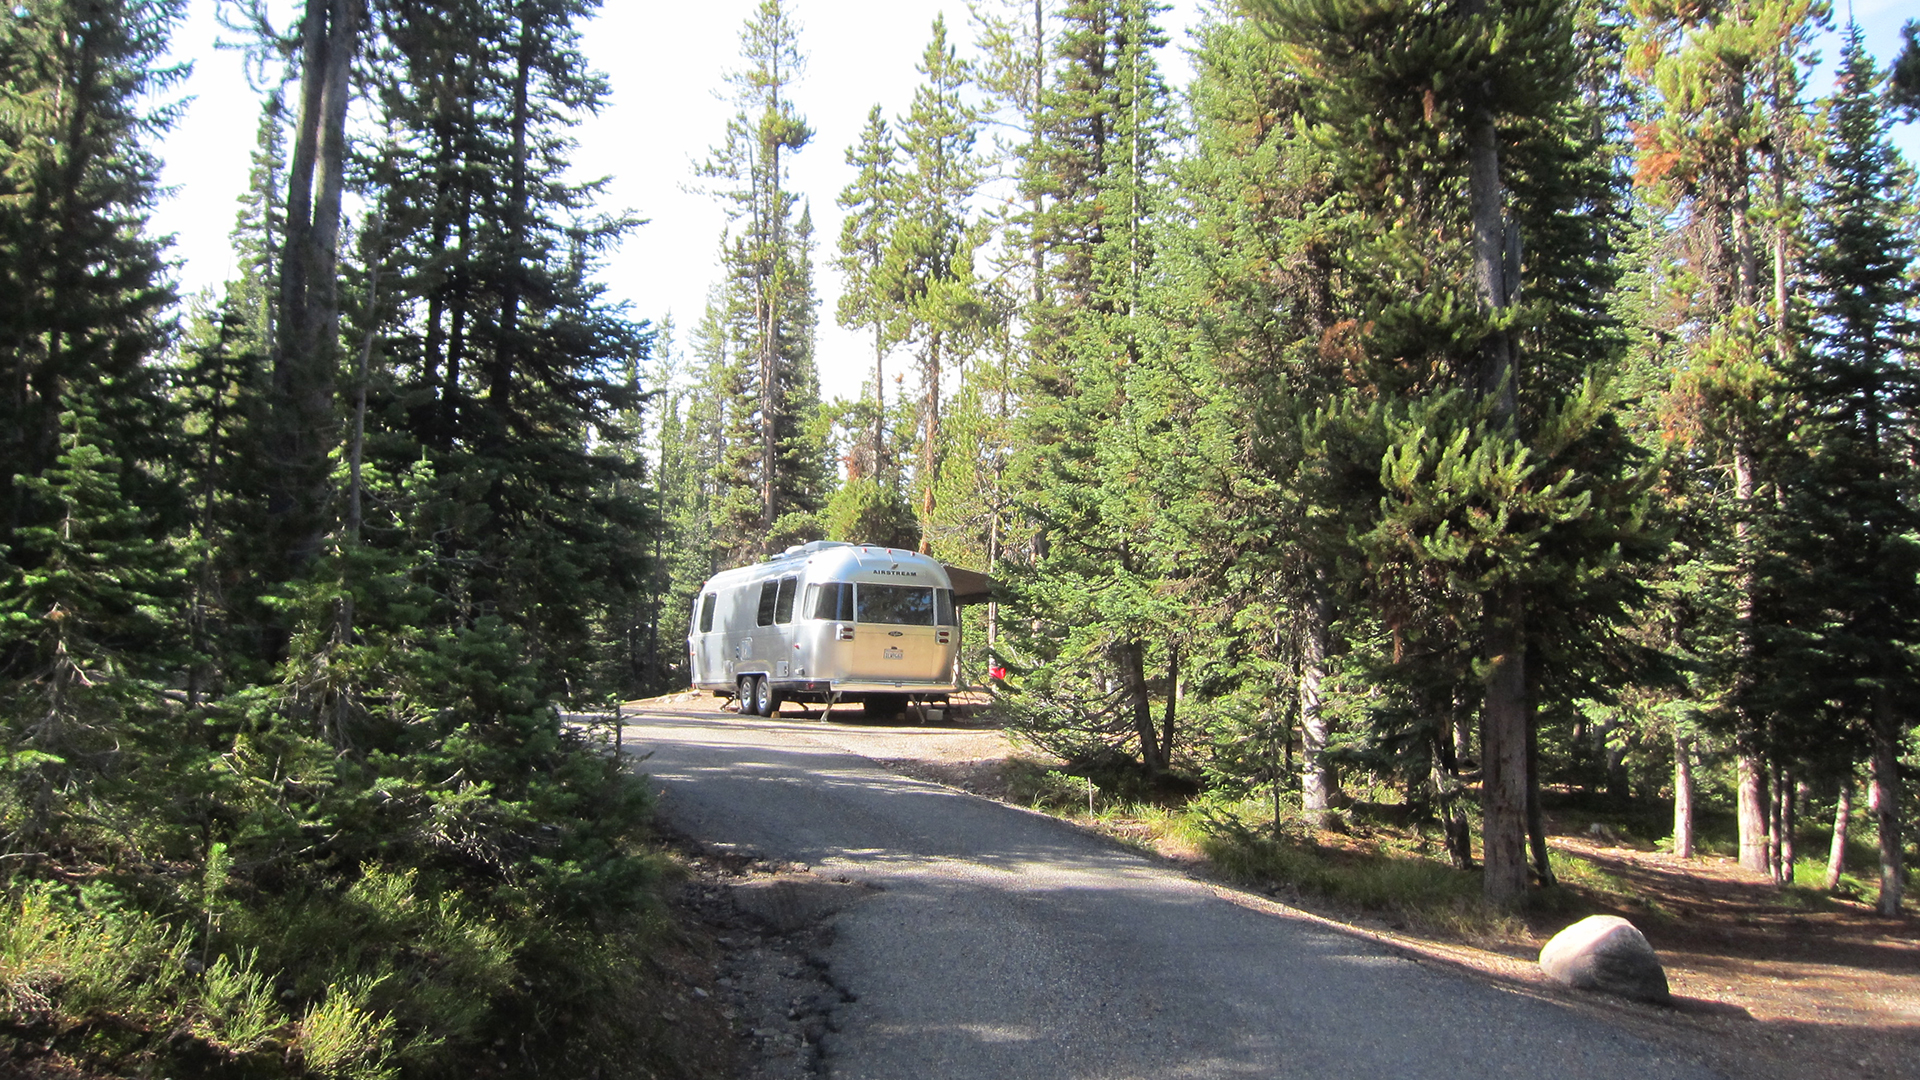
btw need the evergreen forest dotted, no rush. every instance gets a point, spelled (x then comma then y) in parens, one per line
(1464, 403)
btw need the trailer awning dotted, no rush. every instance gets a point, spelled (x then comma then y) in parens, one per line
(970, 586)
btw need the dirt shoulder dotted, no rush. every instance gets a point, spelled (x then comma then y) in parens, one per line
(1767, 987)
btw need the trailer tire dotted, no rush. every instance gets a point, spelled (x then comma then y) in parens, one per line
(763, 701)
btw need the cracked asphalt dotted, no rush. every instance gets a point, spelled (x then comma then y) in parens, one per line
(1001, 943)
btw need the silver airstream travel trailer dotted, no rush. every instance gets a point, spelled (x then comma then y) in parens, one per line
(828, 622)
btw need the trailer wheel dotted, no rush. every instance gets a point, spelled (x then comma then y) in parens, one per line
(744, 695)
(763, 696)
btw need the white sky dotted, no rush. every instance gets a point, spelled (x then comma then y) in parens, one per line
(665, 61)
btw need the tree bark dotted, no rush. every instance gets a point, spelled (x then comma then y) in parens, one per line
(1885, 777)
(1842, 823)
(1503, 733)
(302, 428)
(1318, 783)
(1167, 717)
(1133, 675)
(1503, 749)
(1752, 811)
(1682, 796)
(1752, 806)
(1536, 820)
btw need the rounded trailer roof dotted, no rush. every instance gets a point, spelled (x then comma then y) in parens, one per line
(871, 562)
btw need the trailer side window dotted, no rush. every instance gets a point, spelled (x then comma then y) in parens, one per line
(834, 602)
(783, 605)
(769, 595)
(943, 608)
(706, 613)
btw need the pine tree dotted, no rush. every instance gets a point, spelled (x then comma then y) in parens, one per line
(871, 201)
(1837, 595)
(1722, 144)
(1097, 158)
(769, 289)
(85, 284)
(88, 615)
(1455, 129)
(1257, 258)
(930, 256)
(1903, 89)
(514, 374)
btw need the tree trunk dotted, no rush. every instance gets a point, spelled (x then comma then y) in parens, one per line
(1753, 812)
(1842, 822)
(305, 350)
(930, 454)
(1318, 783)
(1885, 777)
(1503, 750)
(1503, 733)
(1167, 717)
(1752, 808)
(880, 400)
(1453, 818)
(1780, 826)
(1536, 820)
(1682, 796)
(1133, 675)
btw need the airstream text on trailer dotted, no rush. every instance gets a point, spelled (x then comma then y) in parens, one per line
(828, 622)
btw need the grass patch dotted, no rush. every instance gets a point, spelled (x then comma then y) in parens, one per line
(1411, 888)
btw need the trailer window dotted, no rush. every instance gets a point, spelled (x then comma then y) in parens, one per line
(834, 602)
(769, 595)
(943, 608)
(783, 606)
(901, 605)
(706, 613)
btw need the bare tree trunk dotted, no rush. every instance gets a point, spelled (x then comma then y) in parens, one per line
(1503, 747)
(930, 454)
(880, 399)
(1453, 818)
(1503, 732)
(1682, 796)
(305, 348)
(1842, 823)
(1752, 808)
(1318, 783)
(1133, 675)
(1780, 827)
(1173, 696)
(1885, 777)
(1536, 820)
(1753, 812)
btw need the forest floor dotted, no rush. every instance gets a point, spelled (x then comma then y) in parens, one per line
(1776, 986)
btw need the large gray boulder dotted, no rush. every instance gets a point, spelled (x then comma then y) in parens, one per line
(1607, 954)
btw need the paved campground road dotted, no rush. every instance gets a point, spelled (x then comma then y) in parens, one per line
(1002, 944)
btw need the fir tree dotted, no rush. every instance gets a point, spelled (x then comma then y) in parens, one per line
(768, 287)
(1097, 157)
(85, 285)
(871, 201)
(930, 255)
(1502, 474)
(87, 619)
(1837, 596)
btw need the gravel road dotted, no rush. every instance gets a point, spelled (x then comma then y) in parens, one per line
(996, 943)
